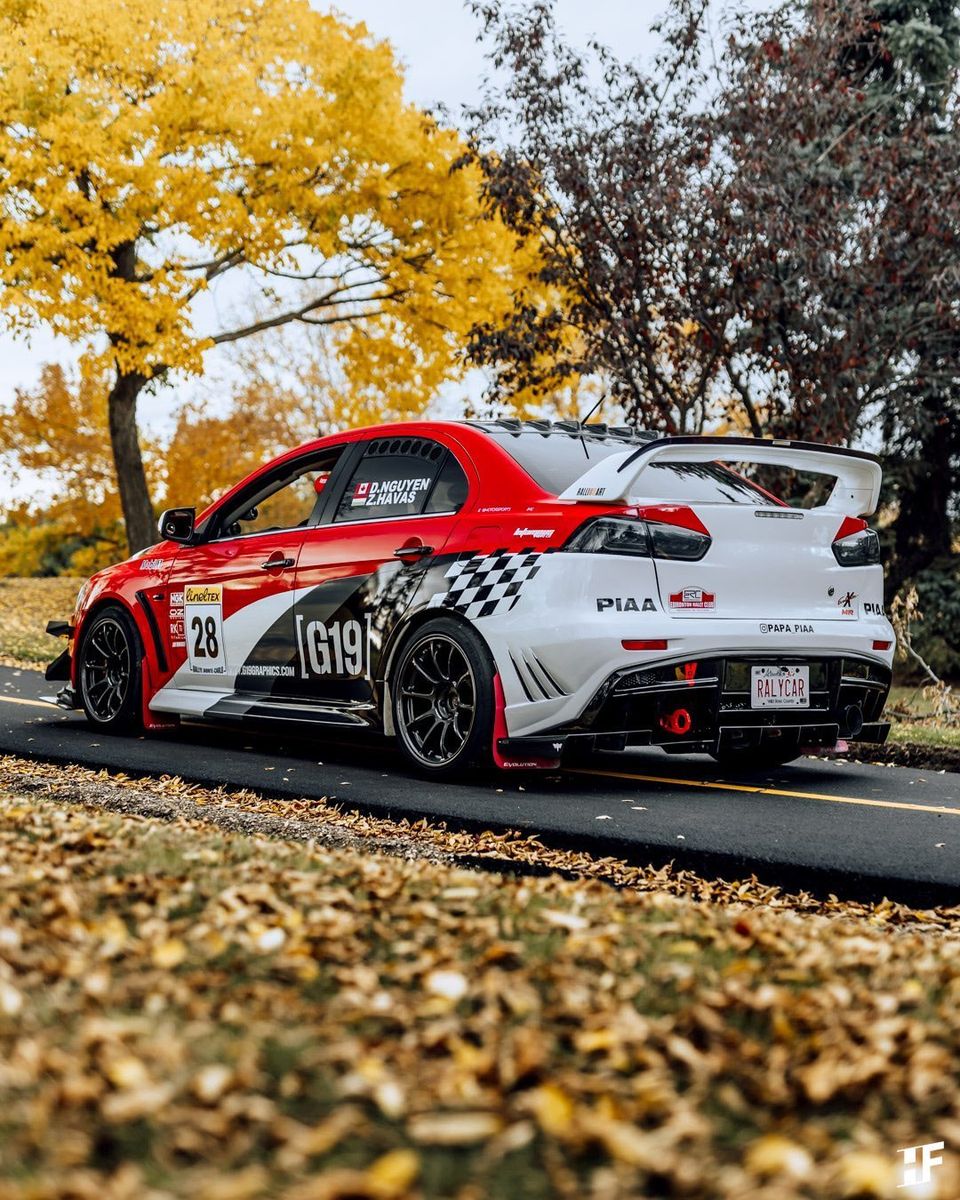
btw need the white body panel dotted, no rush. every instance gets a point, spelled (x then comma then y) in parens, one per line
(558, 621)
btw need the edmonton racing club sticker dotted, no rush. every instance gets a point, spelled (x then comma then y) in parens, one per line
(693, 597)
(203, 618)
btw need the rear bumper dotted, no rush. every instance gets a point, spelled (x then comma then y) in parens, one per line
(709, 711)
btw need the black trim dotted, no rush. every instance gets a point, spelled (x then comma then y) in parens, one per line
(154, 630)
(59, 669)
(523, 682)
(59, 629)
(754, 443)
(342, 474)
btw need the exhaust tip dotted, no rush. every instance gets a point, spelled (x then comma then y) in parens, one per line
(852, 720)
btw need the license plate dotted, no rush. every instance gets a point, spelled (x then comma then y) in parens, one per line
(779, 687)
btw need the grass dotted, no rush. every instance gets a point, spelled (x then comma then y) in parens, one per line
(208, 1015)
(25, 607)
(926, 730)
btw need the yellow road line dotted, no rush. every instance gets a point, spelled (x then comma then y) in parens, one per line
(745, 787)
(29, 703)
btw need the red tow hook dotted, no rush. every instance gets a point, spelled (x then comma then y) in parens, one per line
(678, 722)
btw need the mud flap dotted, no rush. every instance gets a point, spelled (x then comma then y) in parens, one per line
(510, 754)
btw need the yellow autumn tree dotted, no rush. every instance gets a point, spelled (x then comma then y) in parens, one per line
(153, 150)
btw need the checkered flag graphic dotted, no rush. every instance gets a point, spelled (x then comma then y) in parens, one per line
(486, 584)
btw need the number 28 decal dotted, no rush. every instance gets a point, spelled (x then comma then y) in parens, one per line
(203, 619)
(333, 647)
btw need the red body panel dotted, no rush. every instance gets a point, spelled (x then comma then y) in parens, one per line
(505, 509)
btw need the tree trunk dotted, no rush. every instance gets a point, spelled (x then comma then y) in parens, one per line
(128, 463)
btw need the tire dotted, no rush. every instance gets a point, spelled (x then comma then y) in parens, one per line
(109, 672)
(756, 758)
(443, 699)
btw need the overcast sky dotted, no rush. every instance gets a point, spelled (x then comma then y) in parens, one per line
(435, 41)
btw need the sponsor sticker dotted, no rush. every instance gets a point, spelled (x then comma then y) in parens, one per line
(378, 492)
(534, 533)
(591, 491)
(624, 604)
(693, 598)
(785, 627)
(338, 648)
(847, 603)
(152, 564)
(872, 609)
(203, 618)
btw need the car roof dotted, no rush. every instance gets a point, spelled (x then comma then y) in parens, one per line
(627, 435)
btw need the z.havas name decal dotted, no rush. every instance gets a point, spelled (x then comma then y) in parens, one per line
(624, 604)
(333, 647)
(387, 491)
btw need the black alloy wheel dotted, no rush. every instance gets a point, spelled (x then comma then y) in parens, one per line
(443, 698)
(109, 671)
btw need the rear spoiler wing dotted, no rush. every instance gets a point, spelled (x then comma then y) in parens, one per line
(616, 479)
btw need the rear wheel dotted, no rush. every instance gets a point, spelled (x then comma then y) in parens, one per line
(443, 704)
(756, 758)
(109, 671)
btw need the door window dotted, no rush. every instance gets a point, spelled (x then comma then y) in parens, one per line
(289, 499)
(395, 478)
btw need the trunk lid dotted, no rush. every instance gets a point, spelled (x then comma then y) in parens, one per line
(771, 563)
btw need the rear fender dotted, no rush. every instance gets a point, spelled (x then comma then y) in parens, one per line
(400, 634)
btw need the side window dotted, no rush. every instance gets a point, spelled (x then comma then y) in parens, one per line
(278, 502)
(450, 490)
(393, 479)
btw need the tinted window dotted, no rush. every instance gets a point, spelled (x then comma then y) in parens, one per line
(706, 482)
(555, 461)
(393, 479)
(284, 500)
(450, 490)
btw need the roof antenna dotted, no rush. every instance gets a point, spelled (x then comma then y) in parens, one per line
(583, 423)
(596, 407)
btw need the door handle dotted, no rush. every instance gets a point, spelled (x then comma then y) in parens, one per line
(412, 551)
(276, 564)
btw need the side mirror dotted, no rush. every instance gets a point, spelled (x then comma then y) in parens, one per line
(176, 524)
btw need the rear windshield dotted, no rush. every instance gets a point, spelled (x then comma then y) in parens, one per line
(555, 461)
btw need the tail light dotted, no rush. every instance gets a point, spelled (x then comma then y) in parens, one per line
(855, 545)
(665, 531)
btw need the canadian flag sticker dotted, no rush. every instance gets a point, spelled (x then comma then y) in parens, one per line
(360, 493)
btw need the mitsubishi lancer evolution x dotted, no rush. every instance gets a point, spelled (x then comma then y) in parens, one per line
(510, 592)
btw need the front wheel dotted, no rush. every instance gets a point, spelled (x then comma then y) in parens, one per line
(109, 671)
(443, 701)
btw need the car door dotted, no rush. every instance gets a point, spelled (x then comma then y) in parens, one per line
(230, 625)
(358, 570)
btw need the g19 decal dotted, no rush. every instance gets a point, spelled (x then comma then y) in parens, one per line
(339, 648)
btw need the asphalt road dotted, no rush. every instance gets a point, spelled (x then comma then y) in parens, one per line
(858, 830)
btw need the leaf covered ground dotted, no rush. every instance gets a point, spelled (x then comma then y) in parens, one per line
(191, 1012)
(25, 607)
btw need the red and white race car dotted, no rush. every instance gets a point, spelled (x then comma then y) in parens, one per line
(506, 591)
